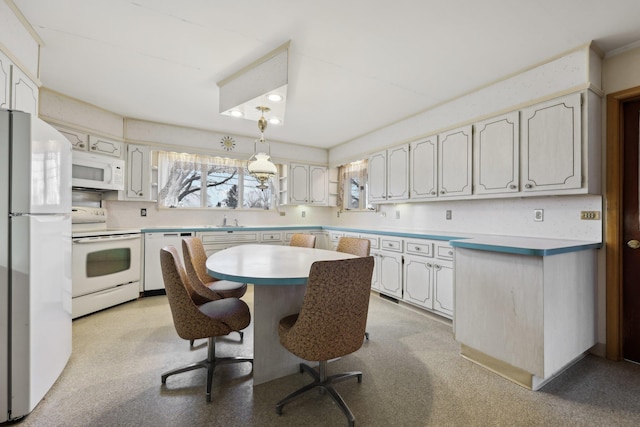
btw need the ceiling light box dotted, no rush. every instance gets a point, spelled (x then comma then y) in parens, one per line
(255, 85)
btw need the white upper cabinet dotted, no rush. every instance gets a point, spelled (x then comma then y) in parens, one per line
(389, 175)
(79, 140)
(24, 93)
(377, 171)
(398, 173)
(552, 145)
(138, 172)
(318, 185)
(496, 155)
(17, 91)
(100, 145)
(423, 178)
(455, 162)
(307, 185)
(5, 81)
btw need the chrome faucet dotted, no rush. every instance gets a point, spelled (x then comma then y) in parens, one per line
(224, 221)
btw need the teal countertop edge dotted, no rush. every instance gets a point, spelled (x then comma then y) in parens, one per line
(466, 241)
(523, 250)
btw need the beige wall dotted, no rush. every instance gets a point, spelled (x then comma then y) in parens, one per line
(621, 71)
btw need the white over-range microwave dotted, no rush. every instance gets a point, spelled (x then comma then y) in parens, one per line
(97, 172)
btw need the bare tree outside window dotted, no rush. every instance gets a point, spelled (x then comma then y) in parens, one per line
(226, 183)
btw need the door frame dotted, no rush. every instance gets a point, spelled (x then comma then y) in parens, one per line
(614, 217)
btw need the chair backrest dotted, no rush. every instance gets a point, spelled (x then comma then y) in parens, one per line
(189, 322)
(195, 259)
(333, 316)
(303, 240)
(354, 246)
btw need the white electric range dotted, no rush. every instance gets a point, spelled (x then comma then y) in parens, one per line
(106, 262)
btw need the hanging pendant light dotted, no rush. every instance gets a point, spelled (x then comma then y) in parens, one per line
(259, 164)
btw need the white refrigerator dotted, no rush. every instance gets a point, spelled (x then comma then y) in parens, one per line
(35, 260)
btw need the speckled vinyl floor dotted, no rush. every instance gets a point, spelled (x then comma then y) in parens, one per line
(413, 376)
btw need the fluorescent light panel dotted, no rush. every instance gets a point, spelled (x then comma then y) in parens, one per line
(250, 87)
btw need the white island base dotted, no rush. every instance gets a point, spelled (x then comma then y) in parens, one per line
(272, 303)
(526, 317)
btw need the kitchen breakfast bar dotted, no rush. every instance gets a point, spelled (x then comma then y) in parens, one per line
(525, 307)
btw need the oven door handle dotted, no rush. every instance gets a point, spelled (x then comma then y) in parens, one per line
(106, 238)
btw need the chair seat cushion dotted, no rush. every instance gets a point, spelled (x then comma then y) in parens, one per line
(227, 288)
(230, 311)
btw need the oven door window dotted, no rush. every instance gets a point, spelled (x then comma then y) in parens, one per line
(108, 261)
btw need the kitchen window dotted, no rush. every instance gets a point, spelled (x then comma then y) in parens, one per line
(352, 187)
(198, 181)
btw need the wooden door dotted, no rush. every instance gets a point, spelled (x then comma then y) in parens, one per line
(631, 235)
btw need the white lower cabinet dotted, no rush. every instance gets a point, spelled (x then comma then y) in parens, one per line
(428, 276)
(388, 273)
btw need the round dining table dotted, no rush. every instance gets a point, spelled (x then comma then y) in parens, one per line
(279, 275)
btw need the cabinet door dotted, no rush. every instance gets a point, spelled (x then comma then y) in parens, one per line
(78, 140)
(5, 81)
(398, 173)
(105, 146)
(496, 148)
(417, 281)
(423, 170)
(138, 172)
(390, 272)
(375, 278)
(318, 186)
(443, 288)
(454, 162)
(377, 176)
(24, 93)
(299, 184)
(551, 145)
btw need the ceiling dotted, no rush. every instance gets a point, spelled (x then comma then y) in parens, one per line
(354, 66)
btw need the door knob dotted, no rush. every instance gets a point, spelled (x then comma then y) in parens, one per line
(633, 244)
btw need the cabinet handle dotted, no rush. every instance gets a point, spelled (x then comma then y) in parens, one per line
(437, 267)
(442, 192)
(417, 249)
(450, 253)
(93, 147)
(429, 265)
(528, 186)
(81, 145)
(513, 186)
(433, 193)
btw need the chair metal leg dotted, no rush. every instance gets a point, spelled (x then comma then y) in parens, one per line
(366, 336)
(209, 363)
(241, 338)
(324, 382)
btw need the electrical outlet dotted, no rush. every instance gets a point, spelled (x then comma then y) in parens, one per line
(283, 213)
(143, 212)
(304, 214)
(397, 214)
(589, 214)
(448, 214)
(538, 215)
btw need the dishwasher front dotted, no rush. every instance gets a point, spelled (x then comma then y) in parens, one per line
(153, 242)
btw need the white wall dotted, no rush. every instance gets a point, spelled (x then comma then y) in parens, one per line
(19, 43)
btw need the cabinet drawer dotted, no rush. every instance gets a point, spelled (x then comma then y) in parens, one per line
(228, 236)
(271, 237)
(420, 248)
(375, 241)
(394, 245)
(444, 251)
